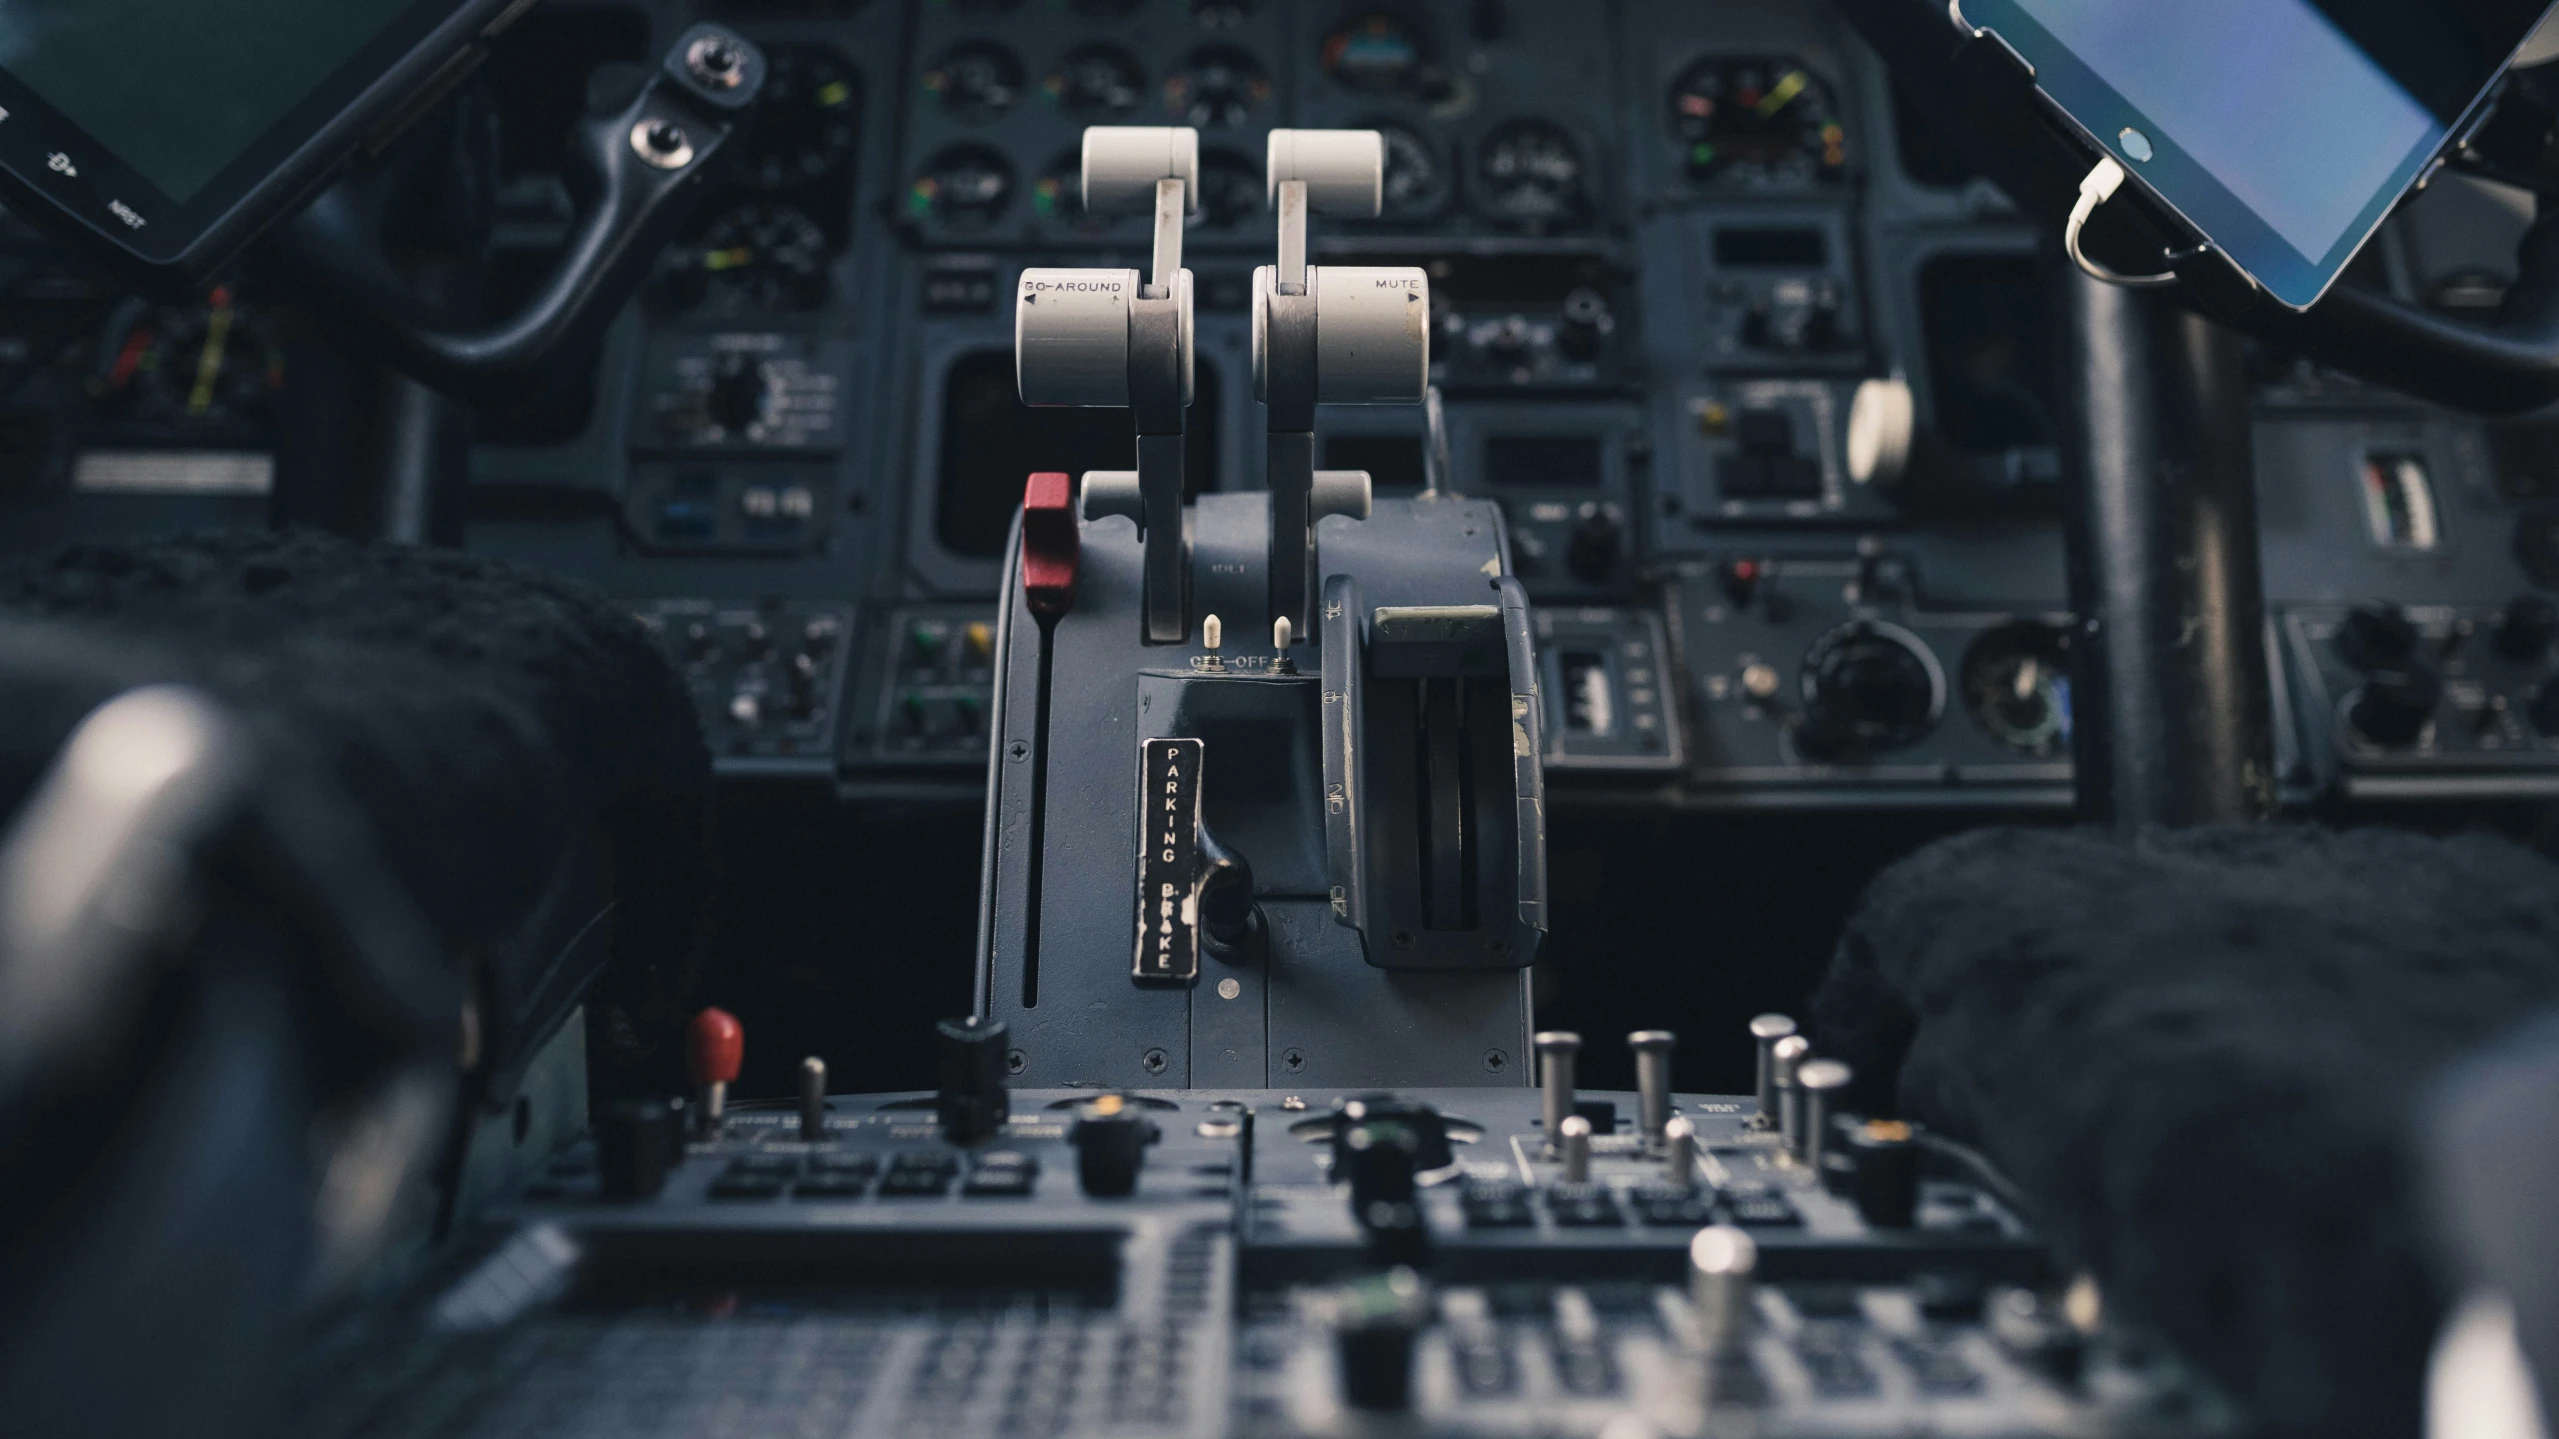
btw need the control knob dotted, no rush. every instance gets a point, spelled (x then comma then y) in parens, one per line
(2377, 636)
(1110, 1138)
(1868, 689)
(2396, 704)
(636, 1142)
(1586, 324)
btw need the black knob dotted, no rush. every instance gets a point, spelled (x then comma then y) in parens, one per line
(1375, 1323)
(741, 392)
(1382, 1155)
(972, 1103)
(2524, 635)
(1509, 339)
(636, 1142)
(1585, 324)
(1110, 1139)
(2377, 637)
(1866, 691)
(1598, 543)
(2397, 704)
(1885, 1156)
(2544, 710)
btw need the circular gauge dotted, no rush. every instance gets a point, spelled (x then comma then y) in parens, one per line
(976, 80)
(1375, 53)
(965, 186)
(761, 257)
(1757, 122)
(2017, 685)
(1532, 174)
(1217, 88)
(1232, 189)
(810, 120)
(1096, 80)
(1057, 196)
(212, 363)
(1418, 184)
(1221, 14)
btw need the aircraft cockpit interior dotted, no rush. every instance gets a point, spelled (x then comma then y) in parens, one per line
(1279, 719)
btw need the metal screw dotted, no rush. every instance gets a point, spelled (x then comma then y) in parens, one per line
(1496, 1061)
(1293, 1060)
(1403, 939)
(1156, 1060)
(716, 61)
(1015, 1061)
(1021, 750)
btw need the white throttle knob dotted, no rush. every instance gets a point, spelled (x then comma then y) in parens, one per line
(1372, 334)
(1123, 163)
(1071, 337)
(1344, 171)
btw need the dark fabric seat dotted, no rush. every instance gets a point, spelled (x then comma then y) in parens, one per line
(525, 752)
(2201, 1056)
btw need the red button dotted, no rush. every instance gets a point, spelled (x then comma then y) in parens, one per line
(1052, 542)
(714, 1047)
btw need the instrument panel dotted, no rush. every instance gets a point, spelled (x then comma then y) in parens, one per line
(1668, 243)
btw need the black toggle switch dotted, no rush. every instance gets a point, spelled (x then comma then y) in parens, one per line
(972, 1103)
(1110, 1138)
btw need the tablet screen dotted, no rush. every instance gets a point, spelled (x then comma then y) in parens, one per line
(2283, 129)
(179, 89)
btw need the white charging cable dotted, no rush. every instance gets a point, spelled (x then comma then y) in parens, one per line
(2096, 190)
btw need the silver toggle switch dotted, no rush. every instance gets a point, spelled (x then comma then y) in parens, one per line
(1652, 1079)
(1784, 1061)
(1679, 1154)
(1765, 1031)
(812, 1099)
(1555, 1053)
(1576, 1134)
(1820, 1082)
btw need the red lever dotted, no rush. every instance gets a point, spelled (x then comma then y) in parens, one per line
(714, 1047)
(1051, 543)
